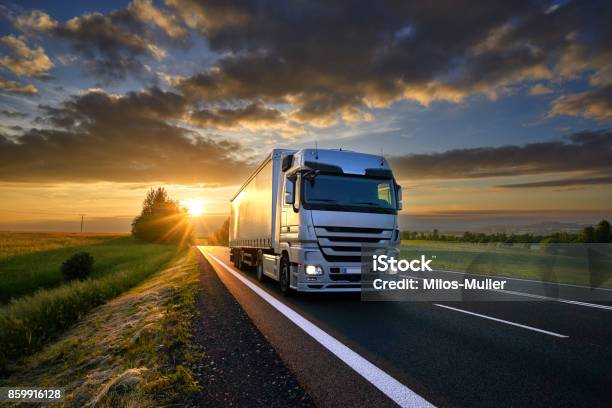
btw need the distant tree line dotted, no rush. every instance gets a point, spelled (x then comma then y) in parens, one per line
(591, 234)
(221, 236)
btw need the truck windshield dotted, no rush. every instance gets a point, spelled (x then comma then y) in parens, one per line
(349, 193)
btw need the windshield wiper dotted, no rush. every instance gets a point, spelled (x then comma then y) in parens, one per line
(366, 203)
(310, 174)
(326, 200)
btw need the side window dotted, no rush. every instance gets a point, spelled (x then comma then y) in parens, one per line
(384, 193)
(289, 191)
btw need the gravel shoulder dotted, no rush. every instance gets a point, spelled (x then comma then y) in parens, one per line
(240, 367)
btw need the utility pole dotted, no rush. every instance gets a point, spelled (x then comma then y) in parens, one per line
(82, 215)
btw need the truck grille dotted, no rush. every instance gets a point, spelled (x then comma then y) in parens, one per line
(343, 244)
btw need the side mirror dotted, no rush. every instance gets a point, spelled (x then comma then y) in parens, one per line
(289, 192)
(398, 191)
(287, 162)
(296, 193)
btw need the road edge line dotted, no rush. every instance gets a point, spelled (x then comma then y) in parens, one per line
(393, 389)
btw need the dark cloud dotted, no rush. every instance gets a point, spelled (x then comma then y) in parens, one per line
(252, 117)
(585, 152)
(567, 182)
(252, 114)
(99, 136)
(331, 59)
(111, 43)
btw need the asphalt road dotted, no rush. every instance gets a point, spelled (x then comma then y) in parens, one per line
(472, 354)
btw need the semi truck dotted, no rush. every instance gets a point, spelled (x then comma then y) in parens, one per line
(303, 217)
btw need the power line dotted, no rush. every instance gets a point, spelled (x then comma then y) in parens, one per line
(82, 217)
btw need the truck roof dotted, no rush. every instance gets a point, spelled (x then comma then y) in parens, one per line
(350, 162)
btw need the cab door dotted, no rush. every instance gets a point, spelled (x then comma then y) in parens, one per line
(288, 189)
(289, 217)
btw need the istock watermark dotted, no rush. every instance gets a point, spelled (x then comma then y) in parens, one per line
(487, 272)
(385, 263)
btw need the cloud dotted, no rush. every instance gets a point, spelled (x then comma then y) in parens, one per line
(595, 104)
(566, 182)
(127, 138)
(255, 113)
(147, 12)
(584, 151)
(208, 17)
(540, 89)
(12, 114)
(36, 20)
(14, 87)
(25, 61)
(330, 61)
(111, 43)
(254, 116)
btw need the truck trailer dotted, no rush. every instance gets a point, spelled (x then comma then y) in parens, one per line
(303, 217)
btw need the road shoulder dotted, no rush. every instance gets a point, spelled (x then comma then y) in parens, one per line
(329, 381)
(240, 367)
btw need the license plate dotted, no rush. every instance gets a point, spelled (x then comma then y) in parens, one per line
(352, 270)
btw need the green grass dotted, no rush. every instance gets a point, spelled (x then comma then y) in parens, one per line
(42, 306)
(31, 263)
(135, 350)
(569, 264)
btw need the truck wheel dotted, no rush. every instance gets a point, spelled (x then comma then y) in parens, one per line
(239, 263)
(259, 268)
(285, 276)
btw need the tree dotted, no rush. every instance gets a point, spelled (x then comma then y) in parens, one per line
(221, 236)
(602, 231)
(162, 220)
(588, 234)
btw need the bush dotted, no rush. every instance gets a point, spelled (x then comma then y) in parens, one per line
(78, 266)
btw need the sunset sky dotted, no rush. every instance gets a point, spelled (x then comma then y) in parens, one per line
(490, 110)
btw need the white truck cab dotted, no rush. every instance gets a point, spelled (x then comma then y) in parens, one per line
(303, 217)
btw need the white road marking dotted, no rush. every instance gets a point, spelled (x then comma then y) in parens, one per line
(531, 295)
(392, 388)
(503, 321)
(523, 280)
(571, 302)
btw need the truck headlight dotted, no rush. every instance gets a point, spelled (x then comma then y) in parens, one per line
(313, 270)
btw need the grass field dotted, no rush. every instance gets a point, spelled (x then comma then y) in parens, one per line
(17, 243)
(39, 305)
(134, 351)
(562, 263)
(29, 262)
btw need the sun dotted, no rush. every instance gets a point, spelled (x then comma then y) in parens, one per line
(195, 207)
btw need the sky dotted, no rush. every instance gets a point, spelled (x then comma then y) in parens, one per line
(489, 111)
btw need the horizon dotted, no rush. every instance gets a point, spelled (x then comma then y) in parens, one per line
(538, 222)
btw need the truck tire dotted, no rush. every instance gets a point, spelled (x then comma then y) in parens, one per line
(259, 268)
(284, 277)
(238, 260)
